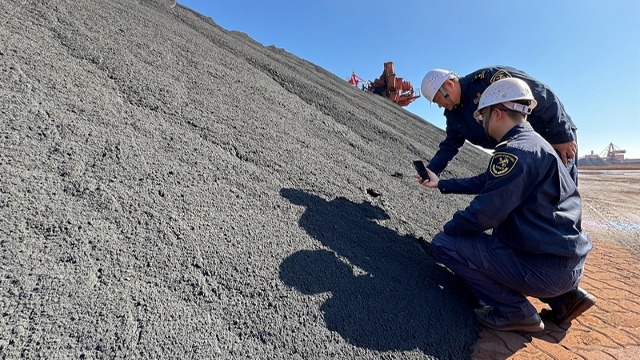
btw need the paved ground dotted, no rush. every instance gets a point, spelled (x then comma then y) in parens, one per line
(609, 330)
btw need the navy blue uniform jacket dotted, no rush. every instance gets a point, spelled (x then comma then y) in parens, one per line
(549, 118)
(526, 196)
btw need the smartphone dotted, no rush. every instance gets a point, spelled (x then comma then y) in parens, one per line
(421, 169)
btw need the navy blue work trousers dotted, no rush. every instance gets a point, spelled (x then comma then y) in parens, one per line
(502, 277)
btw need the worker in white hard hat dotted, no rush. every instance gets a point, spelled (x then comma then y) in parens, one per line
(459, 97)
(528, 199)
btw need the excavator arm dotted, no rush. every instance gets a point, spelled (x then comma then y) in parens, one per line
(388, 85)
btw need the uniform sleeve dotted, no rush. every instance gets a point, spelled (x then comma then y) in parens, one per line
(471, 186)
(549, 118)
(509, 180)
(448, 149)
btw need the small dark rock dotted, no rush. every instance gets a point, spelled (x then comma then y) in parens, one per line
(374, 192)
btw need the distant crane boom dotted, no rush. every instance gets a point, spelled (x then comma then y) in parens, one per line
(613, 153)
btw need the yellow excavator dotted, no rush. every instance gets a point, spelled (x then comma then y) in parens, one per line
(387, 85)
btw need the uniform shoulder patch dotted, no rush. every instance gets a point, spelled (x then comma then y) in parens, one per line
(479, 76)
(501, 74)
(502, 163)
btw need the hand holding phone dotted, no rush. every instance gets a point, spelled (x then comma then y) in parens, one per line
(421, 170)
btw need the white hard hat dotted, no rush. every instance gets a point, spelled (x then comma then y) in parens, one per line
(432, 82)
(505, 91)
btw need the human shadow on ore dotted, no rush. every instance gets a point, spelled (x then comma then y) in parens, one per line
(386, 291)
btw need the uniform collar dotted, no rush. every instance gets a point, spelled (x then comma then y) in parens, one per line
(518, 129)
(465, 86)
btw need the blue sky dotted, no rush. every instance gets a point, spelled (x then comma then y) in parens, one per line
(587, 51)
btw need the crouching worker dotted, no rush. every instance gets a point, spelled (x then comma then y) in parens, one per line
(527, 197)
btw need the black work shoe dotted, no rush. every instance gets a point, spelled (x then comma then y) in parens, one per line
(577, 301)
(492, 318)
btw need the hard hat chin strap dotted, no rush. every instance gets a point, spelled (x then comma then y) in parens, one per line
(446, 96)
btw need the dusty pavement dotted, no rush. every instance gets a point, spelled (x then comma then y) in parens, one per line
(170, 189)
(609, 330)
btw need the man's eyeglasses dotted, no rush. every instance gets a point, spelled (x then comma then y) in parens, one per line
(480, 115)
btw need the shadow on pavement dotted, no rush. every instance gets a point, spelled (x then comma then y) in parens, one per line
(387, 293)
